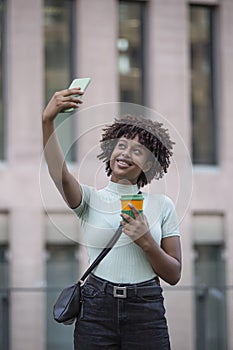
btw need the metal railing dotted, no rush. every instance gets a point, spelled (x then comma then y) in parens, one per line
(201, 294)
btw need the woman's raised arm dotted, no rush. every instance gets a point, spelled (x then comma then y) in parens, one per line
(66, 183)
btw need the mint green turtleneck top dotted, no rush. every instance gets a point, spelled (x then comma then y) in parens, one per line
(100, 211)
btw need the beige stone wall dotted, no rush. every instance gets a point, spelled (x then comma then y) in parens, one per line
(167, 91)
(20, 186)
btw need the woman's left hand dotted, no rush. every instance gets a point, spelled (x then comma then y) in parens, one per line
(137, 229)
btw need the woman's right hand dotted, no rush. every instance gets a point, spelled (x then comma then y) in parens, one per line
(61, 100)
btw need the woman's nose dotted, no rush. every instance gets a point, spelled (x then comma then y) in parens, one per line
(126, 152)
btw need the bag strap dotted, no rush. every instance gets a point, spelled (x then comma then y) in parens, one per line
(102, 254)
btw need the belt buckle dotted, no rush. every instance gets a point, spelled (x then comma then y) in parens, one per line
(119, 292)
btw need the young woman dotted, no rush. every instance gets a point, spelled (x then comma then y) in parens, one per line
(122, 300)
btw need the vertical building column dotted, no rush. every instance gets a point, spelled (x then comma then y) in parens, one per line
(225, 142)
(97, 33)
(24, 107)
(167, 62)
(97, 30)
(167, 92)
(25, 79)
(27, 302)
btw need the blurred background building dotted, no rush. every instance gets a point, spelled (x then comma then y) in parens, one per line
(172, 56)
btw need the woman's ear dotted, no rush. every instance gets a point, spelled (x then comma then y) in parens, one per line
(147, 166)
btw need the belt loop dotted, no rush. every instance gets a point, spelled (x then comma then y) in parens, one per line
(135, 289)
(103, 287)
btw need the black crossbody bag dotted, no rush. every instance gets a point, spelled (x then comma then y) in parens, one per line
(68, 305)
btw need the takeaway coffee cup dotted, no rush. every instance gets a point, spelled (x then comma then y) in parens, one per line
(136, 200)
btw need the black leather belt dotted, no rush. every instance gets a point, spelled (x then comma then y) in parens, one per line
(144, 289)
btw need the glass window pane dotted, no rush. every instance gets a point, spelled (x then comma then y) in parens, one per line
(2, 136)
(202, 89)
(62, 270)
(4, 298)
(59, 56)
(130, 51)
(210, 297)
(4, 282)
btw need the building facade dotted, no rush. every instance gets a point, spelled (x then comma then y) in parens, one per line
(166, 59)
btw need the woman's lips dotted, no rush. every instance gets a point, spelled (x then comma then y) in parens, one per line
(123, 163)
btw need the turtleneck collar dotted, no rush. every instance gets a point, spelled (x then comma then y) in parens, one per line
(122, 189)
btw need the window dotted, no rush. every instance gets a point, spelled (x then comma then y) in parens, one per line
(203, 108)
(210, 297)
(209, 269)
(63, 264)
(130, 51)
(59, 60)
(61, 272)
(4, 298)
(2, 126)
(4, 283)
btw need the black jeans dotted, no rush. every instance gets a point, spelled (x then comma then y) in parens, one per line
(126, 317)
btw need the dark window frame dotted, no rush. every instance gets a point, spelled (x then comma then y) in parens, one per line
(211, 159)
(57, 251)
(71, 156)
(4, 299)
(3, 111)
(210, 296)
(142, 4)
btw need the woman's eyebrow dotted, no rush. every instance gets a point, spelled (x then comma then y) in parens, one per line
(137, 144)
(123, 140)
(134, 143)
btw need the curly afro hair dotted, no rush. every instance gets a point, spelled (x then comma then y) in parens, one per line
(151, 134)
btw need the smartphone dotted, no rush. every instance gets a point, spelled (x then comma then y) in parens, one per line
(81, 83)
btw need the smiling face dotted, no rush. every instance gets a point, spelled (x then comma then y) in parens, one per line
(128, 160)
